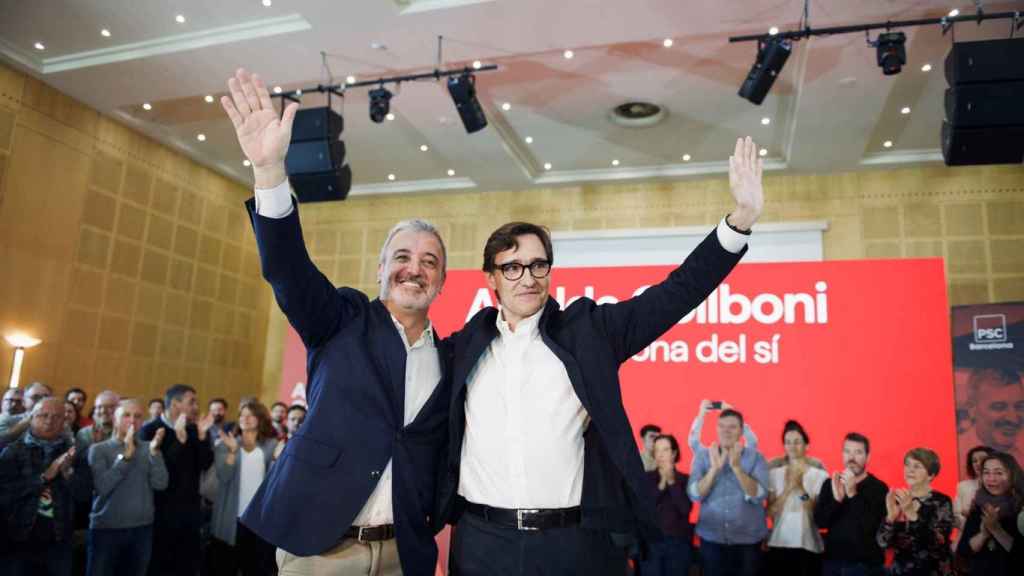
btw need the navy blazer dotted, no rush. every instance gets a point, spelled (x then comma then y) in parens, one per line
(592, 341)
(355, 424)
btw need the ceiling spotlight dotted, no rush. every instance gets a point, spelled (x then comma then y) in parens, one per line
(390, 116)
(954, 13)
(926, 68)
(686, 157)
(208, 98)
(105, 33)
(892, 52)
(180, 19)
(39, 46)
(506, 106)
(391, 177)
(477, 64)
(147, 106)
(451, 172)
(424, 147)
(246, 163)
(547, 165)
(268, 3)
(568, 54)
(463, 91)
(762, 152)
(528, 139)
(350, 79)
(771, 57)
(380, 104)
(887, 144)
(298, 92)
(277, 89)
(766, 121)
(201, 137)
(773, 30)
(667, 43)
(905, 110)
(615, 162)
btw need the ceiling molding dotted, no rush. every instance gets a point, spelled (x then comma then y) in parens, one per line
(902, 157)
(413, 186)
(22, 57)
(645, 172)
(415, 6)
(250, 30)
(514, 144)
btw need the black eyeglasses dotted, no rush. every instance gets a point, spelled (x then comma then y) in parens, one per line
(514, 270)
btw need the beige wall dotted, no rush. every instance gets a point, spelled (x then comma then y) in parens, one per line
(134, 264)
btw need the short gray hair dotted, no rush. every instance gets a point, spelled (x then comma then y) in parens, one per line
(416, 225)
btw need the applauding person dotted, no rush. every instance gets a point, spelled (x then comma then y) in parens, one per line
(670, 556)
(990, 540)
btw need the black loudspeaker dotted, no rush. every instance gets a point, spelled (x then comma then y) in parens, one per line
(984, 121)
(316, 163)
(771, 57)
(463, 91)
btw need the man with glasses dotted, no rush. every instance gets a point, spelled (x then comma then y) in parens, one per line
(543, 469)
(14, 425)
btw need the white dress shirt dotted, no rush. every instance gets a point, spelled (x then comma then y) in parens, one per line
(422, 370)
(253, 468)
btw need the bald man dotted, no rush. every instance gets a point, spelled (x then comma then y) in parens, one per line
(103, 421)
(35, 471)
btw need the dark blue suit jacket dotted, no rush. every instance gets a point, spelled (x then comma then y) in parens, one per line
(592, 341)
(355, 423)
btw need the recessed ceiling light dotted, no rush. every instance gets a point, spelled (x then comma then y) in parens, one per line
(208, 98)
(424, 147)
(887, 143)
(277, 89)
(506, 106)
(762, 152)
(451, 172)
(954, 13)
(391, 177)
(686, 157)
(390, 116)
(298, 92)
(180, 19)
(926, 68)
(773, 30)
(246, 163)
(547, 165)
(268, 3)
(147, 106)
(568, 54)
(105, 33)
(350, 79)
(201, 137)
(442, 119)
(477, 64)
(766, 121)
(615, 162)
(528, 139)
(905, 110)
(40, 46)
(667, 42)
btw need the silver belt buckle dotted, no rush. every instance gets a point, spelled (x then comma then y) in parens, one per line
(359, 536)
(519, 519)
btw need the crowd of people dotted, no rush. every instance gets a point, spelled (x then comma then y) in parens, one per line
(789, 515)
(129, 488)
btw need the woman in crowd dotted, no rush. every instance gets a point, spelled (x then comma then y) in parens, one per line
(966, 489)
(918, 520)
(991, 541)
(670, 556)
(795, 545)
(241, 461)
(71, 417)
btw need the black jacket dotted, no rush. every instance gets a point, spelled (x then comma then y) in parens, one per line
(21, 485)
(177, 507)
(592, 341)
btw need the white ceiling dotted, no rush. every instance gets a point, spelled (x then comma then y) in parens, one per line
(830, 110)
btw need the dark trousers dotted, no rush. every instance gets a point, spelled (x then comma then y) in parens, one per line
(669, 557)
(251, 555)
(843, 568)
(175, 551)
(730, 559)
(482, 548)
(33, 559)
(795, 561)
(119, 551)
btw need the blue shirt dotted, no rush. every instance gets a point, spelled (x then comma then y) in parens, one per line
(727, 514)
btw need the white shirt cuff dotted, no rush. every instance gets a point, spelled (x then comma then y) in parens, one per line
(277, 202)
(730, 239)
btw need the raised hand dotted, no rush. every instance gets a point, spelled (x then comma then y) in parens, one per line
(849, 483)
(990, 518)
(838, 487)
(230, 441)
(262, 135)
(734, 456)
(129, 442)
(179, 428)
(205, 423)
(745, 170)
(705, 406)
(717, 461)
(60, 465)
(892, 507)
(154, 444)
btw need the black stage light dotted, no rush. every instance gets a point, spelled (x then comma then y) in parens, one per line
(463, 91)
(892, 52)
(771, 57)
(380, 104)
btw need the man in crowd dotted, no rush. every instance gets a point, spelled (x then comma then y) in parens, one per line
(851, 507)
(731, 483)
(296, 416)
(14, 403)
(218, 409)
(103, 422)
(125, 475)
(647, 434)
(35, 471)
(187, 451)
(12, 427)
(78, 397)
(370, 448)
(278, 413)
(155, 409)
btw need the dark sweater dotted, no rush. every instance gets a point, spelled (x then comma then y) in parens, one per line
(853, 523)
(673, 506)
(177, 506)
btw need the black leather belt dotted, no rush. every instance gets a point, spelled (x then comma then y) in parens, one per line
(371, 533)
(526, 518)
